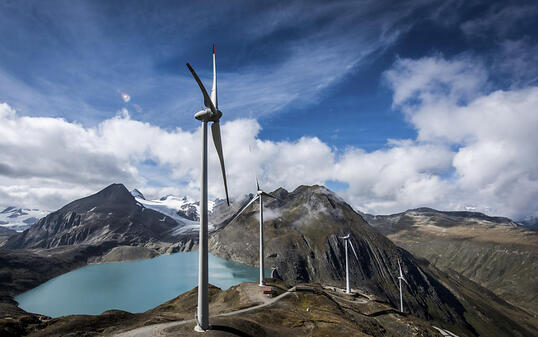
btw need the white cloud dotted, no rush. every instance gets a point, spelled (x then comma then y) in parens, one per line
(403, 176)
(46, 162)
(494, 134)
(475, 148)
(431, 79)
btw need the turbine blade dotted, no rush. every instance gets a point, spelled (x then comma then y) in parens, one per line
(404, 280)
(268, 195)
(244, 208)
(214, 87)
(353, 249)
(207, 100)
(257, 184)
(400, 268)
(215, 131)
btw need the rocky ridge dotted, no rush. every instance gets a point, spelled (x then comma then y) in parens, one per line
(495, 252)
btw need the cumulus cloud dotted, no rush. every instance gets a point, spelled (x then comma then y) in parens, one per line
(403, 176)
(493, 134)
(46, 162)
(475, 147)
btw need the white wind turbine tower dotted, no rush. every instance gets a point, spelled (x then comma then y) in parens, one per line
(211, 114)
(400, 279)
(346, 239)
(259, 195)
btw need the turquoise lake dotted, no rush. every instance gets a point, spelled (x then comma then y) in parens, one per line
(134, 286)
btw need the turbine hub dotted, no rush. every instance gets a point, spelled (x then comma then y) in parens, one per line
(216, 117)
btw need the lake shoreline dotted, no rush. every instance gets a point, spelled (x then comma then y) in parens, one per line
(131, 270)
(24, 269)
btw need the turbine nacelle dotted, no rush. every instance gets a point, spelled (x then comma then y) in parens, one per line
(347, 239)
(401, 277)
(207, 115)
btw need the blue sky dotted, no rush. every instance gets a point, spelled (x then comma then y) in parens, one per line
(299, 69)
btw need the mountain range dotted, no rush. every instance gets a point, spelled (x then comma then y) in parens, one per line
(301, 230)
(495, 252)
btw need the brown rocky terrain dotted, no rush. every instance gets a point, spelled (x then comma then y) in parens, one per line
(243, 310)
(495, 252)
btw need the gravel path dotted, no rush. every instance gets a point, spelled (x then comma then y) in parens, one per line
(156, 330)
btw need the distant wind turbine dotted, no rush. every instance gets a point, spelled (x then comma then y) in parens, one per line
(400, 279)
(259, 195)
(346, 240)
(211, 114)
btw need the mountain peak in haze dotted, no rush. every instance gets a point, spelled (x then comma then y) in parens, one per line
(530, 221)
(460, 215)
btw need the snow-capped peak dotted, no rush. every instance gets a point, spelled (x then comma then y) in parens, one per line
(137, 194)
(184, 210)
(18, 218)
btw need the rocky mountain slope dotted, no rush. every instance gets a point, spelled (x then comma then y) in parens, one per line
(301, 231)
(5, 233)
(111, 215)
(496, 252)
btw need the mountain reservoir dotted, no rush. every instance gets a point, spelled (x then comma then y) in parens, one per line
(134, 286)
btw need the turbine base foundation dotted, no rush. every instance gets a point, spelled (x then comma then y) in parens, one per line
(198, 328)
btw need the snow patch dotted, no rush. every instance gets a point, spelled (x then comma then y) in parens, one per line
(21, 218)
(170, 205)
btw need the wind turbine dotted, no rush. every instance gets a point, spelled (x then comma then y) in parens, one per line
(211, 114)
(400, 279)
(346, 239)
(259, 195)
